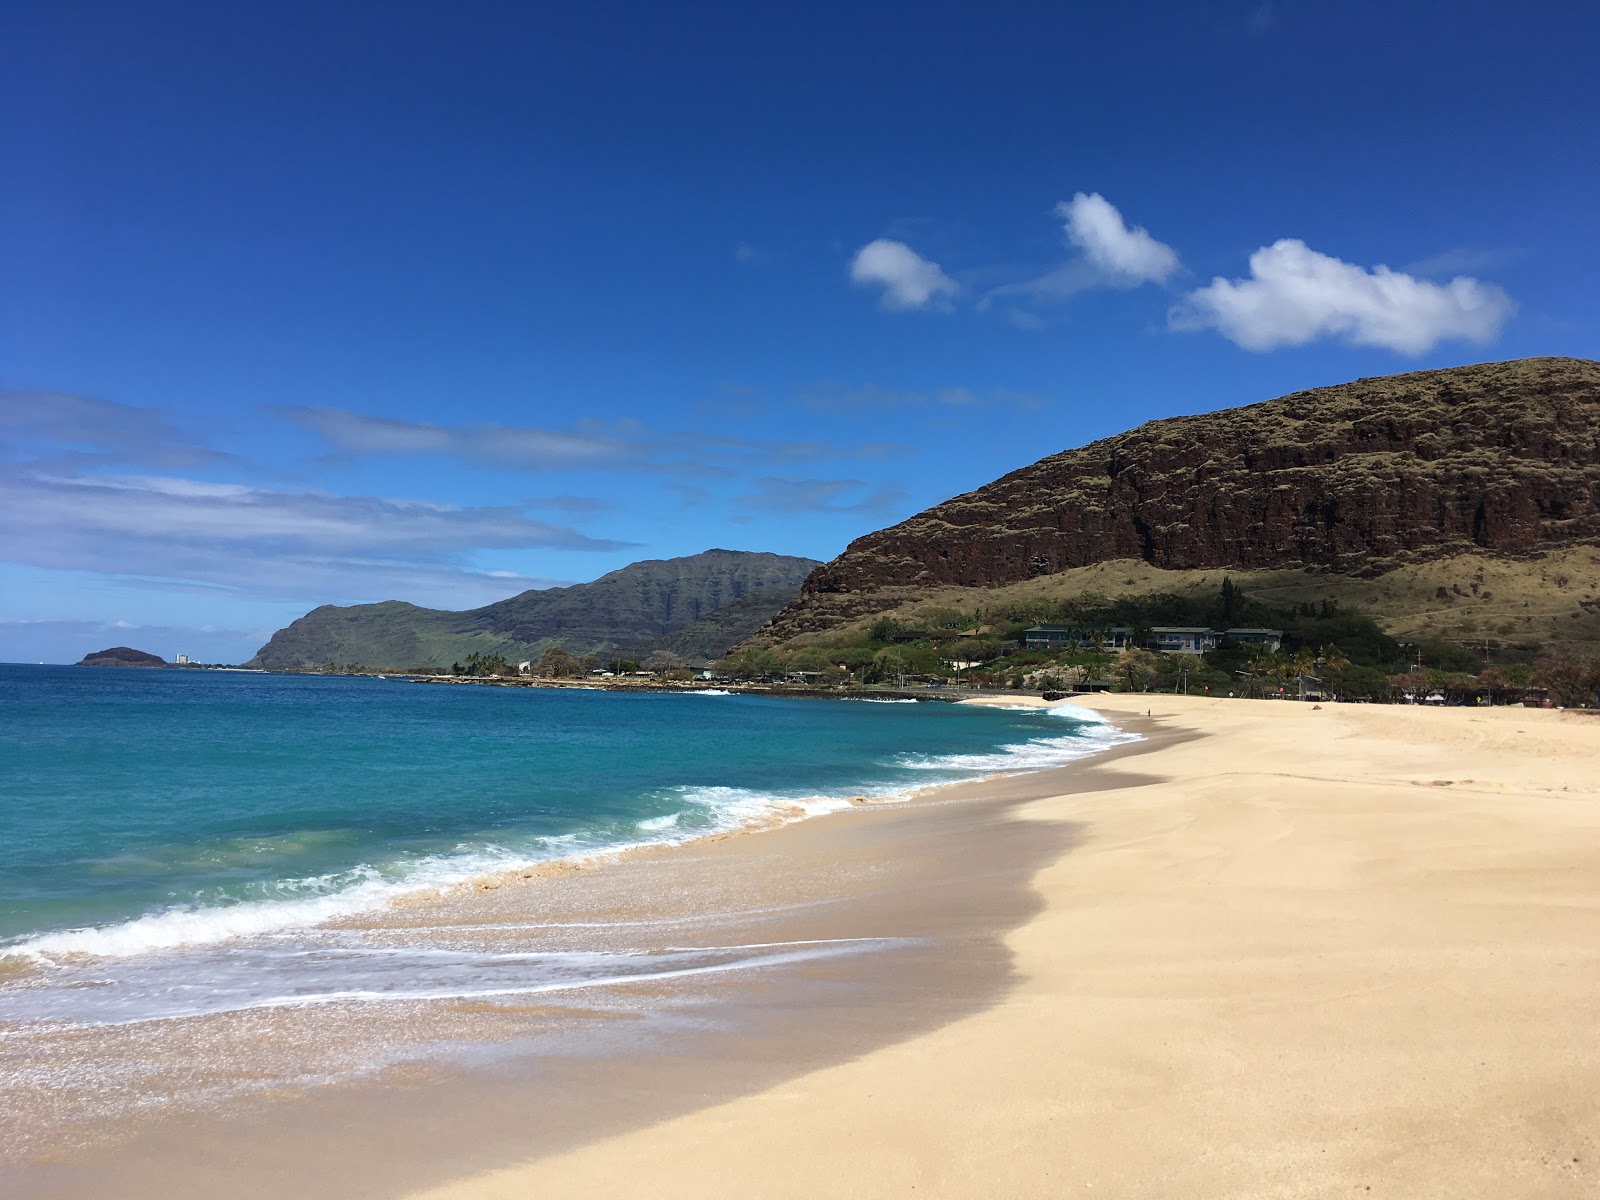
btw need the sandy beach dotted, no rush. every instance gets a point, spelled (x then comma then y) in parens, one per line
(1269, 950)
(1310, 953)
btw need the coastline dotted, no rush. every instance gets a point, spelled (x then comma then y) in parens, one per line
(1310, 953)
(830, 881)
(1268, 951)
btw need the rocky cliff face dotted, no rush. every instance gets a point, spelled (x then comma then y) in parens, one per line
(706, 602)
(1357, 479)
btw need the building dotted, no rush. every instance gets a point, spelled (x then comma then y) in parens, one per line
(1190, 639)
(181, 660)
(1270, 638)
(1168, 639)
(1183, 639)
(1076, 637)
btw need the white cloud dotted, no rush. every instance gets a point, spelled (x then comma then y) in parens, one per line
(183, 533)
(508, 445)
(1112, 256)
(908, 280)
(242, 517)
(1296, 295)
(1126, 257)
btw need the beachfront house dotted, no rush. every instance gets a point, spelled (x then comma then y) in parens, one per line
(1270, 638)
(1183, 639)
(1191, 639)
(1076, 637)
(1168, 639)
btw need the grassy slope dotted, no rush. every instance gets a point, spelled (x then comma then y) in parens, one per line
(1547, 597)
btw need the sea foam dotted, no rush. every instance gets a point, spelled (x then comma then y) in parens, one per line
(680, 813)
(333, 967)
(1091, 734)
(704, 811)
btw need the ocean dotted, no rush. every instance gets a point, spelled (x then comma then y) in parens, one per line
(173, 843)
(223, 890)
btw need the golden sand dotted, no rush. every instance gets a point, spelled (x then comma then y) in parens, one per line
(1317, 952)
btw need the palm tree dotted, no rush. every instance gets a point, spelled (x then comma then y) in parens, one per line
(1331, 659)
(1258, 668)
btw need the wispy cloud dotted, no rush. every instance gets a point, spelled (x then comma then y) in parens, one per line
(1112, 254)
(774, 494)
(732, 402)
(1459, 261)
(908, 280)
(1296, 295)
(691, 495)
(588, 445)
(64, 427)
(177, 532)
(834, 398)
(512, 446)
(577, 505)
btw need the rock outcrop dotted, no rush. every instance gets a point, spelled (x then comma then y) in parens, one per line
(1358, 479)
(122, 656)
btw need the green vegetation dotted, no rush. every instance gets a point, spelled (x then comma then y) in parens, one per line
(696, 607)
(1327, 650)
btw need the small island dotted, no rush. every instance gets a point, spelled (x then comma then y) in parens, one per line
(122, 656)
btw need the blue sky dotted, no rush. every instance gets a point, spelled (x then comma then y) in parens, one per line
(327, 303)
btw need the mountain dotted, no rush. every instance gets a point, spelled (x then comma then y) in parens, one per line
(122, 656)
(1452, 502)
(699, 606)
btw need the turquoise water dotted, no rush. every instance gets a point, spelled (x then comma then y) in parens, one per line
(155, 813)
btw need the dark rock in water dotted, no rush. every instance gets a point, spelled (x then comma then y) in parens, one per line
(1358, 479)
(122, 656)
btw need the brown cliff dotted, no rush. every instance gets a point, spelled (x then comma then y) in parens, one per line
(1496, 459)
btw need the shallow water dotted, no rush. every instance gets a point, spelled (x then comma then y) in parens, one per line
(170, 840)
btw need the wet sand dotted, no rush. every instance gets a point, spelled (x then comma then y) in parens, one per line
(1315, 953)
(904, 905)
(1270, 952)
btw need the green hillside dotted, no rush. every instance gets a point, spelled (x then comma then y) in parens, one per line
(697, 606)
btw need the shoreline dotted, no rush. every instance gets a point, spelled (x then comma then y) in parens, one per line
(1308, 953)
(1269, 951)
(781, 811)
(806, 911)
